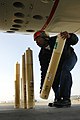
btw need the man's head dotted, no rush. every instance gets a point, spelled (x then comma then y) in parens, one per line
(41, 38)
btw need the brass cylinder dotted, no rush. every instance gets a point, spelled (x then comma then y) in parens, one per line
(53, 65)
(29, 78)
(23, 85)
(17, 85)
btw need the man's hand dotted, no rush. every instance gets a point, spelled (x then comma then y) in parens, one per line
(65, 35)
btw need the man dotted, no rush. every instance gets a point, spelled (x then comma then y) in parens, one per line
(63, 79)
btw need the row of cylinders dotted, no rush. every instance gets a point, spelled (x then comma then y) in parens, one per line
(24, 87)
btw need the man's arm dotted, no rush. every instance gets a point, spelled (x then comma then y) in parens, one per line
(44, 58)
(73, 39)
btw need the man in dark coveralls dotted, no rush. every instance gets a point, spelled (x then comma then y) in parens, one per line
(63, 79)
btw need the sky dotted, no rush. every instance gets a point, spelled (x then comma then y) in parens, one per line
(12, 47)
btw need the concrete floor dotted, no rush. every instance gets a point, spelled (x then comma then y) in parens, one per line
(41, 112)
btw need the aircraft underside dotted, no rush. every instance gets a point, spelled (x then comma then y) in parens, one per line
(27, 16)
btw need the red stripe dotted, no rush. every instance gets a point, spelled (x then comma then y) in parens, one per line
(51, 14)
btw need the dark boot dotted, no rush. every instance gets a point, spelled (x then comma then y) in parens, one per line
(54, 103)
(64, 103)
